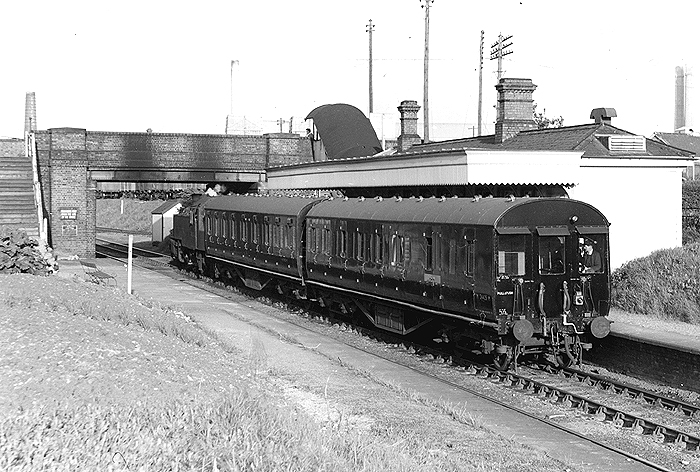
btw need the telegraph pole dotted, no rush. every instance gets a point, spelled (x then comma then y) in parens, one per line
(370, 28)
(498, 51)
(481, 69)
(234, 64)
(426, 119)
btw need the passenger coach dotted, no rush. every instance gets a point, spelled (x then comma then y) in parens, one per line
(508, 277)
(505, 274)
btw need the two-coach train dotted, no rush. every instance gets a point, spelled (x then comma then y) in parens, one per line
(507, 277)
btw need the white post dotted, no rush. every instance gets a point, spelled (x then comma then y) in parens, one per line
(129, 265)
(122, 206)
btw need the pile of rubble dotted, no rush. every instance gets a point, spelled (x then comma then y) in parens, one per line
(20, 253)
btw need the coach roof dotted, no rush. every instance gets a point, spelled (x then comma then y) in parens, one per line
(283, 206)
(493, 212)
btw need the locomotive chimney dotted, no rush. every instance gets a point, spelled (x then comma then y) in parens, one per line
(514, 108)
(409, 125)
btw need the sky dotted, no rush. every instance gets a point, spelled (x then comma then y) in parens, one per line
(132, 65)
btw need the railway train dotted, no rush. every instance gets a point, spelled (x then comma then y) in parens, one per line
(501, 276)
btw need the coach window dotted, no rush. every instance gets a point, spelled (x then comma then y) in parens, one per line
(255, 229)
(359, 245)
(277, 234)
(552, 254)
(511, 254)
(465, 256)
(342, 243)
(270, 233)
(208, 220)
(396, 250)
(232, 221)
(311, 238)
(592, 253)
(224, 225)
(378, 246)
(291, 237)
(451, 256)
(326, 241)
(428, 253)
(244, 228)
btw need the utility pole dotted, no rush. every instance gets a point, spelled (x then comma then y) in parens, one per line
(233, 63)
(370, 28)
(498, 51)
(481, 69)
(426, 119)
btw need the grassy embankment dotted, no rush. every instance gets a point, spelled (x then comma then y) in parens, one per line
(666, 284)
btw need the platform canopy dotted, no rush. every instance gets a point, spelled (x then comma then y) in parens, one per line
(456, 167)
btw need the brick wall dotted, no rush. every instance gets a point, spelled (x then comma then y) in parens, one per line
(514, 108)
(71, 192)
(67, 156)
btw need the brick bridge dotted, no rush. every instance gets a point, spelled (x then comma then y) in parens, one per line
(72, 160)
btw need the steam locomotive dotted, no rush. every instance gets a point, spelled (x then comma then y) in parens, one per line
(507, 277)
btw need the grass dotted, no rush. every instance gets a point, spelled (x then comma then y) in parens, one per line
(99, 380)
(665, 284)
(136, 216)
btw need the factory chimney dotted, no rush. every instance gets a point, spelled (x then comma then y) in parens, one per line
(30, 112)
(680, 103)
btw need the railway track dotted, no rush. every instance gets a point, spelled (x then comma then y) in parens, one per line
(594, 396)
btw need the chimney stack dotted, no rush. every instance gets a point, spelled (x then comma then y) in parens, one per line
(514, 108)
(30, 112)
(603, 115)
(409, 125)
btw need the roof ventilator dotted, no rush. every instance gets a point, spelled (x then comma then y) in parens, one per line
(624, 143)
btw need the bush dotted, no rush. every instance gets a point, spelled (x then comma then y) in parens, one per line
(691, 211)
(20, 253)
(665, 284)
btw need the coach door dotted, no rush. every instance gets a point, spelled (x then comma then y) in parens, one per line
(554, 263)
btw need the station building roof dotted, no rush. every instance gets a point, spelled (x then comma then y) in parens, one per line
(552, 156)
